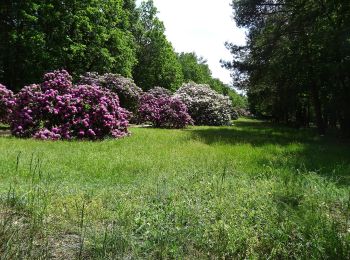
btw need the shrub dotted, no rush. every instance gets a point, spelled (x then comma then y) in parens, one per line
(128, 92)
(242, 112)
(56, 109)
(234, 114)
(6, 104)
(205, 106)
(164, 111)
(159, 91)
(59, 80)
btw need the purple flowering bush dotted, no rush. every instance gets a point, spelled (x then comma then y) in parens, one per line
(164, 111)
(206, 106)
(57, 109)
(6, 104)
(128, 92)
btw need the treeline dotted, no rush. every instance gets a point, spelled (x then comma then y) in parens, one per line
(104, 36)
(295, 66)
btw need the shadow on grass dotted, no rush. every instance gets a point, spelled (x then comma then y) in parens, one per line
(256, 133)
(4, 127)
(327, 156)
(4, 130)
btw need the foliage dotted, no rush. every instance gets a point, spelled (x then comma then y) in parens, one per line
(194, 68)
(164, 111)
(157, 62)
(238, 100)
(38, 36)
(6, 104)
(129, 94)
(295, 65)
(56, 110)
(205, 106)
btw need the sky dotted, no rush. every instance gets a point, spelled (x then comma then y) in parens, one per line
(203, 27)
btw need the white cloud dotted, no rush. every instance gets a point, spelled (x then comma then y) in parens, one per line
(202, 26)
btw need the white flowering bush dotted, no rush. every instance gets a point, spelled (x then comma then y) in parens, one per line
(205, 106)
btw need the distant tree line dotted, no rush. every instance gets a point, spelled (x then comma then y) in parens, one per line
(295, 66)
(103, 36)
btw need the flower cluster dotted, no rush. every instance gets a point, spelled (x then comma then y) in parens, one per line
(164, 111)
(128, 92)
(6, 104)
(241, 112)
(206, 106)
(57, 109)
(59, 80)
(159, 91)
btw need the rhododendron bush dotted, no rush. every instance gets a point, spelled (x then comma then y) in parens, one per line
(6, 104)
(159, 91)
(164, 111)
(239, 112)
(57, 109)
(129, 94)
(206, 106)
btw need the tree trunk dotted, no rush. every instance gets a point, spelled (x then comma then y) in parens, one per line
(318, 109)
(345, 126)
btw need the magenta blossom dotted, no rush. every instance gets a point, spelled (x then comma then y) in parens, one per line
(164, 111)
(57, 109)
(7, 102)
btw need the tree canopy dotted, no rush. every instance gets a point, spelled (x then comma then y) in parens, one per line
(157, 61)
(88, 35)
(194, 68)
(109, 36)
(295, 65)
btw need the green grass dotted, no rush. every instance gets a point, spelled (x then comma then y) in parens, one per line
(253, 190)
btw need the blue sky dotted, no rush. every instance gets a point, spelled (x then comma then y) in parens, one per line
(201, 26)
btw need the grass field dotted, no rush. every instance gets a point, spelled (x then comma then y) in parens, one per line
(252, 190)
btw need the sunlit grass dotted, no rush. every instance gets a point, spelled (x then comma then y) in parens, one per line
(250, 190)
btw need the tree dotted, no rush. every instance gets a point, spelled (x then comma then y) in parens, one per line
(294, 66)
(194, 68)
(157, 60)
(88, 35)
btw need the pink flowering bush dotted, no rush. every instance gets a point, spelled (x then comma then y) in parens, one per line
(164, 111)
(57, 109)
(206, 106)
(128, 92)
(6, 104)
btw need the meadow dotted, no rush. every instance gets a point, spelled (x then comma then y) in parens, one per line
(252, 190)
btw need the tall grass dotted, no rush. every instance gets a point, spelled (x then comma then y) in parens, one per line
(249, 191)
(22, 217)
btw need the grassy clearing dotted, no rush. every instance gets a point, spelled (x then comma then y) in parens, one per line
(249, 191)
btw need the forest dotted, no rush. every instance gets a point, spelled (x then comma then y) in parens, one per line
(295, 67)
